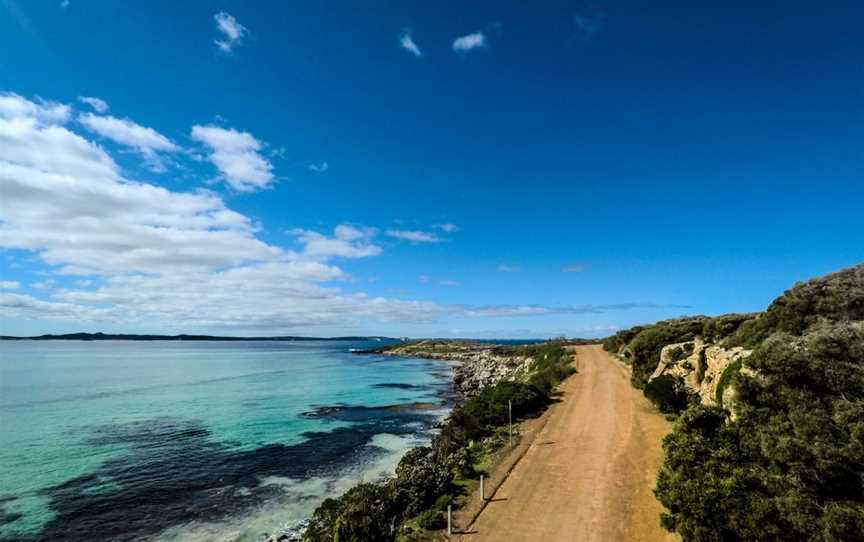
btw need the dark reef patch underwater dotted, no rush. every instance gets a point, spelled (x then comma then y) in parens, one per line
(174, 474)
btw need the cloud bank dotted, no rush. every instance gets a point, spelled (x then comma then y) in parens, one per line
(148, 254)
(134, 254)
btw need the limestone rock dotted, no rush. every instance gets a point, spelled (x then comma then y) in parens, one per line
(700, 365)
(475, 366)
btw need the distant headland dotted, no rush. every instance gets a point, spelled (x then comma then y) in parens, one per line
(182, 337)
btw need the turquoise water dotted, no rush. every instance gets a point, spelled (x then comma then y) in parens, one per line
(127, 440)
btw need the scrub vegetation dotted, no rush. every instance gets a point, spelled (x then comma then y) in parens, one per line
(785, 461)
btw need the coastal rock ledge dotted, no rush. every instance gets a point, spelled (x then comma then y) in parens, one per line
(476, 365)
(701, 365)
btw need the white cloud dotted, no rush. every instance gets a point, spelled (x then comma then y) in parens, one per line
(407, 43)
(448, 228)
(232, 30)
(574, 268)
(65, 4)
(101, 106)
(266, 297)
(347, 242)
(319, 168)
(506, 310)
(471, 41)
(42, 112)
(43, 285)
(589, 25)
(415, 236)
(64, 197)
(426, 279)
(9, 284)
(236, 155)
(504, 268)
(145, 140)
(29, 308)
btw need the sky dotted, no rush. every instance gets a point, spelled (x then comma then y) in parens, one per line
(442, 169)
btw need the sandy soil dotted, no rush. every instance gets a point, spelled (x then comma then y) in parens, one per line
(589, 470)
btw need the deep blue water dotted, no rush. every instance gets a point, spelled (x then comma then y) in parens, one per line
(127, 440)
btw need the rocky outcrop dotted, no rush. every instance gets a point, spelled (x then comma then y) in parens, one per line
(295, 534)
(476, 365)
(700, 365)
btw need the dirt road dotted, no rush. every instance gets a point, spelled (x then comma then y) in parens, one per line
(590, 471)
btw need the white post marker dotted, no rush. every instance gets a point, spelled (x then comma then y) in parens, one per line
(449, 520)
(482, 493)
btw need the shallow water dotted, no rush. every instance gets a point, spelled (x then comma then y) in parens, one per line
(127, 440)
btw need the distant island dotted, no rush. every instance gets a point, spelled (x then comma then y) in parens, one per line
(182, 337)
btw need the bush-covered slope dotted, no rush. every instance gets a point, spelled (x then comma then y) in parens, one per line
(790, 465)
(836, 297)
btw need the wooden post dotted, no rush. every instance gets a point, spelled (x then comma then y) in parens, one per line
(510, 421)
(449, 520)
(482, 492)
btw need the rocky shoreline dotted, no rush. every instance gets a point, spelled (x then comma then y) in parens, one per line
(475, 365)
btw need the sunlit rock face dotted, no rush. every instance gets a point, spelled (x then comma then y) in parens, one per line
(700, 365)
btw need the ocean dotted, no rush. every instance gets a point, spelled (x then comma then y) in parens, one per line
(182, 440)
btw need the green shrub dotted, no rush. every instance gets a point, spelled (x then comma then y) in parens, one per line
(616, 342)
(711, 495)
(718, 328)
(366, 512)
(435, 517)
(668, 393)
(726, 378)
(481, 413)
(420, 479)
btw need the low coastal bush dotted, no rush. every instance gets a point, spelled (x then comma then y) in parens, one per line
(551, 366)
(615, 343)
(427, 478)
(420, 479)
(366, 512)
(726, 378)
(718, 328)
(478, 417)
(668, 393)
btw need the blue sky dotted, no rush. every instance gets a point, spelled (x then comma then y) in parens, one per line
(419, 168)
